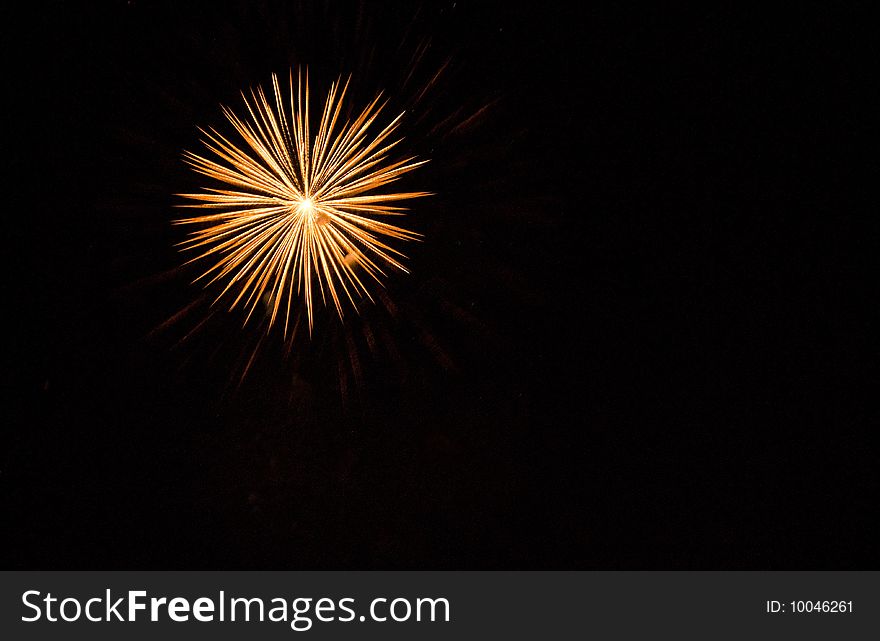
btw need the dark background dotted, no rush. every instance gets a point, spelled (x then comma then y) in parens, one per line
(627, 341)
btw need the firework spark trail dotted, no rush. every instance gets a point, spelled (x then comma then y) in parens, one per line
(300, 208)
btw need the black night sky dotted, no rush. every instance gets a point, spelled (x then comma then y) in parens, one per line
(623, 345)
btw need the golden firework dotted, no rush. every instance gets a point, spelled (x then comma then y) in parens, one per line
(298, 209)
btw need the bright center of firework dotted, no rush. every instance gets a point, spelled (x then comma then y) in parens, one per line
(307, 206)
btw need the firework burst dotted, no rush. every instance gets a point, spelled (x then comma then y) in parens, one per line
(295, 209)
